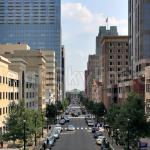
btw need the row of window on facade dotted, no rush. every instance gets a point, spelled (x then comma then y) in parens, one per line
(30, 85)
(118, 63)
(30, 104)
(120, 89)
(4, 110)
(30, 95)
(9, 95)
(118, 51)
(10, 82)
(117, 44)
(118, 57)
(113, 69)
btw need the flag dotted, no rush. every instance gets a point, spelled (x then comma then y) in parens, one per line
(107, 20)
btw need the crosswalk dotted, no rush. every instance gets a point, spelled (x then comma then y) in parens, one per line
(79, 128)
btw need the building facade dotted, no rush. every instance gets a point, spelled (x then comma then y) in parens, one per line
(93, 68)
(37, 23)
(103, 32)
(114, 58)
(139, 35)
(50, 76)
(9, 90)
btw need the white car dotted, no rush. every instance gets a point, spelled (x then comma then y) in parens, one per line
(58, 126)
(100, 139)
(71, 128)
(55, 133)
(101, 129)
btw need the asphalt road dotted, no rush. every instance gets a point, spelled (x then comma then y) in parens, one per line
(80, 139)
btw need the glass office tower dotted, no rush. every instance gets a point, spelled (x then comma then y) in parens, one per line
(35, 22)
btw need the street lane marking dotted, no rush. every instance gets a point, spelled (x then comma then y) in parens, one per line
(90, 128)
(81, 128)
(85, 128)
(65, 128)
(77, 128)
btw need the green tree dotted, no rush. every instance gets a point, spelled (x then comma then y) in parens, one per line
(134, 110)
(15, 123)
(65, 104)
(51, 112)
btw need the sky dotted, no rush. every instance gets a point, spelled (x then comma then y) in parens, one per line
(80, 24)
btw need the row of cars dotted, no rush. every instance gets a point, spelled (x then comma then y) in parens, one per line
(63, 120)
(89, 120)
(52, 137)
(100, 138)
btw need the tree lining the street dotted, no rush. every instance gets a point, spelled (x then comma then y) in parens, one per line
(129, 117)
(15, 123)
(98, 109)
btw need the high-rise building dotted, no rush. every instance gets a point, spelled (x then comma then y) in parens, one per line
(139, 35)
(113, 60)
(36, 23)
(103, 32)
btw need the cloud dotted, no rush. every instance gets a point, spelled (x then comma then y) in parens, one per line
(91, 20)
(77, 11)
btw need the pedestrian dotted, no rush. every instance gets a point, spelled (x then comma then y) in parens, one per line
(47, 141)
(1, 144)
(44, 146)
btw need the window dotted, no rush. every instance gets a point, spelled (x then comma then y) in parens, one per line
(118, 44)
(0, 111)
(126, 44)
(126, 63)
(3, 95)
(110, 69)
(119, 63)
(118, 50)
(110, 44)
(110, 57)
(3, 79)
(119, 56)
(126, 56)
(110, 51)
(126, 50)
(3, 110)
(119, 69)
(110, 63)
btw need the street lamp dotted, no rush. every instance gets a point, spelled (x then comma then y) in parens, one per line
(24, 127)
(35, 127)
(128, 141)
(42, 123)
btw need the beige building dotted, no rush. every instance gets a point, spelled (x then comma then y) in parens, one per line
(113, 59)
(97, 91)
(28, 61)
(9, 90)
(50, 76)
(91, 74)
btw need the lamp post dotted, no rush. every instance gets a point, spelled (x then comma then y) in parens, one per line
(24, 127)
(35, 128)
(42, 123)
(128, 136)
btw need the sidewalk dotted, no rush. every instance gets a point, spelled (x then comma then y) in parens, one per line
(112, 142)
(41, 140)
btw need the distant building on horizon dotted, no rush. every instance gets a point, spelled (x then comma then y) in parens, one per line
(104, 32)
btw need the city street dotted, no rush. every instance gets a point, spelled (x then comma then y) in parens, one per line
(80, 139)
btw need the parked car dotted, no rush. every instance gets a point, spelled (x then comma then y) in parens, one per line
(58, 126)
(62, 121)
(51, 141)
(55, 133)
(97, 134)
(70, 128)
(94, 129)
(100, 139)
(66, 119)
